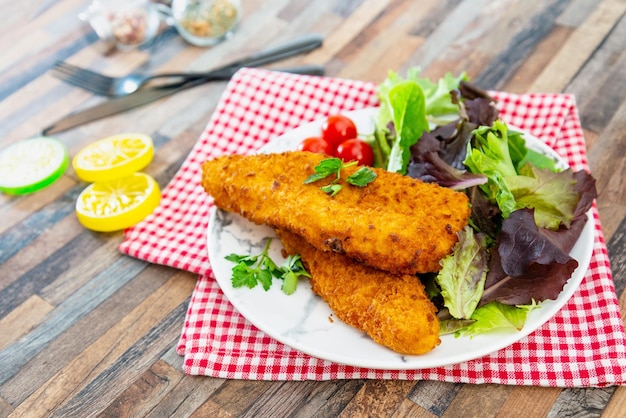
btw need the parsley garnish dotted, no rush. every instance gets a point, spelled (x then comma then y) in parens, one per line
(362, 177)
(292, 269)
(253, 269)
(333, 166)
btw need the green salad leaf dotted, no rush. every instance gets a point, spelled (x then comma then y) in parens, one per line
(497, 316)
(407, 108)
(522, 155)
(438, 103)
(463, 273)
(490, 155)
(553, 195)
(515, 182)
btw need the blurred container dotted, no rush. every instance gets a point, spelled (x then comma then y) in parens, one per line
(205, 22)
(122, 24)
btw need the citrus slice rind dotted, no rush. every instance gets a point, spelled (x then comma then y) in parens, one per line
(32, 164)
(117, 204)
(113, 157)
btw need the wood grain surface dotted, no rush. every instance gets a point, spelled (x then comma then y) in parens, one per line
(86, 331)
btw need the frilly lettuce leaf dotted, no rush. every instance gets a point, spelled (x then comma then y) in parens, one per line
(439, 105)
(491, 151)
(437, 94)
(486, 216)
(521, 155)
(526, 264)
(407, 105)
(586, 187)
(453, 325)
(497, 316)
(439, 154)
(431, 168)
(553, 195)
(516, 179)
(462, 275)
(489, 155)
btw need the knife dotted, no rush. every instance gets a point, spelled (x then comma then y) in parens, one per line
(142, 97)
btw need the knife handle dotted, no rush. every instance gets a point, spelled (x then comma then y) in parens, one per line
(295, 47)
(227, 73)
(304, 70)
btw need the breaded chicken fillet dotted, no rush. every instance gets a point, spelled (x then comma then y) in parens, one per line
(394, 223)
(394, 310)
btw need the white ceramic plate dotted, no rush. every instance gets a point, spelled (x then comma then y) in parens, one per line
(305, 322)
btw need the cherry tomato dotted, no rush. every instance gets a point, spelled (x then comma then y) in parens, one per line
(337, 129)
(355, 149)
(317, 145)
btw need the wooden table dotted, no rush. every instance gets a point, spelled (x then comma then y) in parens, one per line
(108, 346)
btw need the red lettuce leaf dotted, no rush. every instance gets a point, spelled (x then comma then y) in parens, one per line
(525, 264)
(481, 111)
(586, 186)
(430, 168)
(485, 216)
(437, 157)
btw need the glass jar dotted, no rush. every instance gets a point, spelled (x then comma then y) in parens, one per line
(123, 24)
(205, 22)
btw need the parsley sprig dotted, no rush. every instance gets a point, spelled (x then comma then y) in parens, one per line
(333, 166)
(251, 270)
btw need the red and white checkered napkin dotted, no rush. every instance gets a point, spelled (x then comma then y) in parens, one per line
(583, 345)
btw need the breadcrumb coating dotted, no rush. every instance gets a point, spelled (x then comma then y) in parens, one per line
(394, 310)
(394, 223)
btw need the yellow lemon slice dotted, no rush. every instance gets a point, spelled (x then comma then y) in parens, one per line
(117, 204)
(32, 164)
(113, 157)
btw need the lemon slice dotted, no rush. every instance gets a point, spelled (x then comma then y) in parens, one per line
(117, 204)
(32, 164)
(113, 157)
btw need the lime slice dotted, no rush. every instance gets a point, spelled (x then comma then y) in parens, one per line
(113, 157)
(32, 164)
(117, 204)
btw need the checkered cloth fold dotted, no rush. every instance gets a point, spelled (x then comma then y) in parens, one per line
(583, 345)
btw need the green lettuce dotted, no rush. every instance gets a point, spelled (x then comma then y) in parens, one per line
(463, 273)
(515, 179)
(407, 108)
(491, 156)
(521, 155)
(553, 195)
(497, 316)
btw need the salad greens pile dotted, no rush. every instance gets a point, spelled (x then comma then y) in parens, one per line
(527, 213)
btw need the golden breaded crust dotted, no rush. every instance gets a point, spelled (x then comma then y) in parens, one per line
(394, 310)
(395, 223)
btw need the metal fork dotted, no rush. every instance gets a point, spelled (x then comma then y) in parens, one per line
(120, 86)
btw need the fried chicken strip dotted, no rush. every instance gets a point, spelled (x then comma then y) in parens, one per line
(395, 223)
(394, 310)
